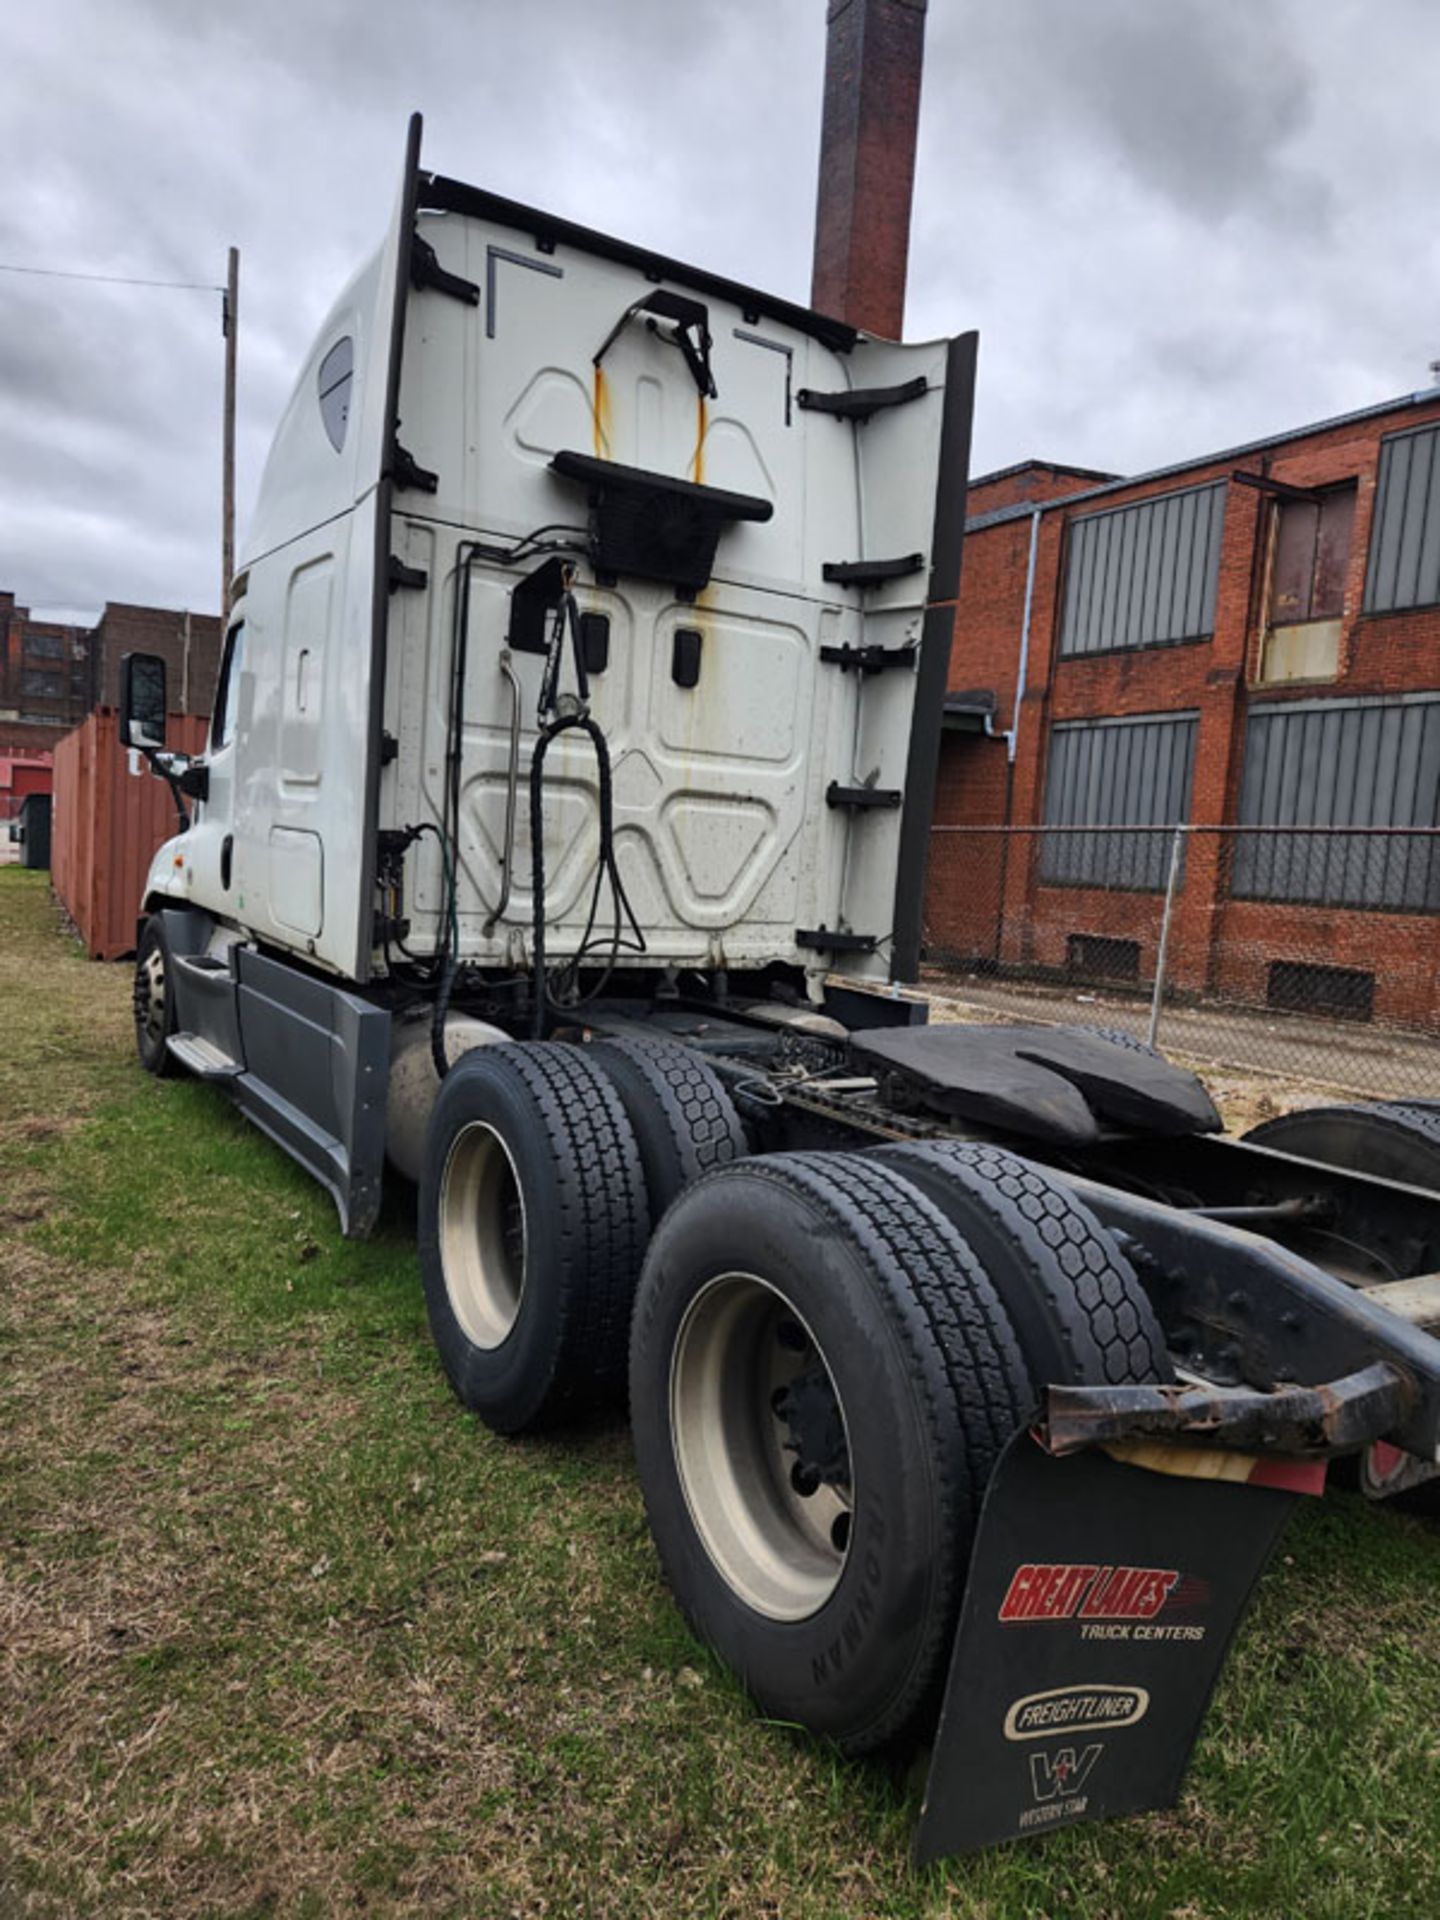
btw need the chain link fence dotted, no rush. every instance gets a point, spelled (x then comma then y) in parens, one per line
(1310, 953)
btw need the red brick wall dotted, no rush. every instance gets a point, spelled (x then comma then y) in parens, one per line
(985, 645)
(966, 871)
(127, 629)
(1030, 483)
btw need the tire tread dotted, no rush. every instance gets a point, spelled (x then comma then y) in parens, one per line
(1099, 1311)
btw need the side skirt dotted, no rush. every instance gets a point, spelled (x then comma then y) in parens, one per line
(316, 1066)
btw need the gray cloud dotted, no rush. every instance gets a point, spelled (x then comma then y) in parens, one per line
(1176, 225)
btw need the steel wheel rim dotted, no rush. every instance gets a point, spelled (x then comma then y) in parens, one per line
(150, 997)
(781, 1550)
(482, 1235)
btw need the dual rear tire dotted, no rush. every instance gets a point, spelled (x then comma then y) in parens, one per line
(827, 1353)
(544, 1168)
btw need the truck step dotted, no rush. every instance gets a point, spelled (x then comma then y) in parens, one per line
(202, 1058)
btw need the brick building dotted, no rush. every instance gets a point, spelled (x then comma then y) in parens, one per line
(43, 678)
(51, 676)
(1251, 638)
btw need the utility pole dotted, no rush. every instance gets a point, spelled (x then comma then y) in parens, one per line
(230, 324)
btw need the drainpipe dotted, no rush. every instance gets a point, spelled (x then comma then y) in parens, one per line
(1013, 730)
(1023, 669)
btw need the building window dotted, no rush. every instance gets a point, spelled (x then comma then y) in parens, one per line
(1144, 576)
(1116, 774)
(44, 646)
(1312, 552)
(1404, 568)
(337, 372)
(1308, 566)
(46, 686)
(1333, 764)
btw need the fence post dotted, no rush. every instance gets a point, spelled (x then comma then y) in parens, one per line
(1172, 887)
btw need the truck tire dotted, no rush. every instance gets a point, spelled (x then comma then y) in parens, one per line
(1393, 1139)
(533, 1223)
(154, 1000)
(684, 1120)
(1081, 1316)
(821, 1383)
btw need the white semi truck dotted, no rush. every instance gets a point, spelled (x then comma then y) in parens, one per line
(560, 842)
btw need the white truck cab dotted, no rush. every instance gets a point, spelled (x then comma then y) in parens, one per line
(519, 456)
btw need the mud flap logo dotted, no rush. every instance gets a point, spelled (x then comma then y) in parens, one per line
(1040, 1592)
(1066, 1709)
(1061, 1775)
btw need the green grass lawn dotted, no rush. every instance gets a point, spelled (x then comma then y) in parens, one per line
(284, 1631)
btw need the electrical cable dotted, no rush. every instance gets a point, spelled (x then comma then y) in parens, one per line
(113, 279)
(567, 995)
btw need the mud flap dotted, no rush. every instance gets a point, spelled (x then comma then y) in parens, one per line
(1101, 1602)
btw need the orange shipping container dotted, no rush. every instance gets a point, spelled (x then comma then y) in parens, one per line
(110, 814)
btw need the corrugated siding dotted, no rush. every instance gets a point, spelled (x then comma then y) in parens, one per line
(1341, 763)
(106, 825)
(1144, 576)
(1404, 569)
(1116, 773)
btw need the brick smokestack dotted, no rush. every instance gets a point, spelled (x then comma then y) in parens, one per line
(873, 56)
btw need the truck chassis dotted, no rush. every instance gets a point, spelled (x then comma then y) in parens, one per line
(990, 1311)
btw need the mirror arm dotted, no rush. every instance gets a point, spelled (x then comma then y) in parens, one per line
(162, 763)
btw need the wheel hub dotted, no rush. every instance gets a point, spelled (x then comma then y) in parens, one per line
(810, 1413)
(482, 1235)
(150, 995)
(761, 1446)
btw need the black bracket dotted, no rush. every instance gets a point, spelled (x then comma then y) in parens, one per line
(868, 659)
(406, 471)
(651, 525)
(871, 573)
(831, 940)
(426, 271)
(860, 402)
(1263, 483)
(402, 576)
(194, 780)
(533, 601)
(689, 317)
(861, 798)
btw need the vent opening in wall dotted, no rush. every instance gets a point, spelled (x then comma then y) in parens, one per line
(1344, 993)
(1095, 956)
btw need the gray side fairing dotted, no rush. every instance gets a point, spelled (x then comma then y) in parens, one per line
(313, 1058)
(317, 1063)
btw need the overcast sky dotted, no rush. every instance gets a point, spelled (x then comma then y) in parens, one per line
(1177, 223)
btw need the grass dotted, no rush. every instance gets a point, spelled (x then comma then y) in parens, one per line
(284, 1632)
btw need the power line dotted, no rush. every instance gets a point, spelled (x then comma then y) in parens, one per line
(114, 279)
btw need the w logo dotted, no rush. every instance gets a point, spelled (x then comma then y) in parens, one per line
(1062, 1772)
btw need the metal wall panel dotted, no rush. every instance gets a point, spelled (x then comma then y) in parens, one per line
(1404, 569)
(1116, 773)
(1337, 764)
(109, 818)
(1144, 575)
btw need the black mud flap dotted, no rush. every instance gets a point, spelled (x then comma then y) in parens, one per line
(1101, 1602)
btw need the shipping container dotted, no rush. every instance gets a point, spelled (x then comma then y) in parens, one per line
(110, 814)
